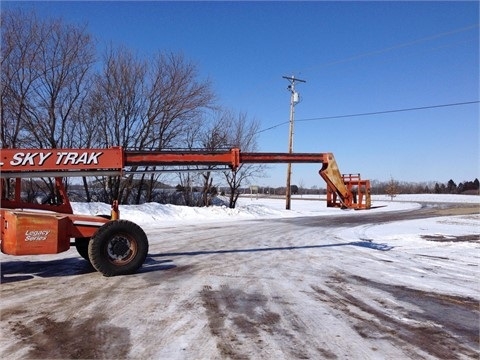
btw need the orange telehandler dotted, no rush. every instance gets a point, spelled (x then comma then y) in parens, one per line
(112, 245)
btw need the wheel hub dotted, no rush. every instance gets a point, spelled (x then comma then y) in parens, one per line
(119, 248)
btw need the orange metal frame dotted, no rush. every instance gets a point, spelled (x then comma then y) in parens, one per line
(58, 163)
(62, 206)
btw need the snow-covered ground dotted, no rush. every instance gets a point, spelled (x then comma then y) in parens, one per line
(260, 281)
(412, 233)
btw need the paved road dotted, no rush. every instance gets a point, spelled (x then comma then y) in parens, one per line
(272, 289)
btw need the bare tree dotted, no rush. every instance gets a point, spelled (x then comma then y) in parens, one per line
(176, 100)
(45, 68)
(242, 133)
(392, 189)
(186, 178)
(50, 98)
(146, 105)
(117, 103)
(19, 55)
(48, 65)
(301, 187)
(214, 137)
(117, 98)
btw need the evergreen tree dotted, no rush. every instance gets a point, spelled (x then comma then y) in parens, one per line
(451, 187)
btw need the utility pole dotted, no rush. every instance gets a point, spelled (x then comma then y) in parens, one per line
(294, 99)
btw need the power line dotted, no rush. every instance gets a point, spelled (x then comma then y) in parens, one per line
(372, 113)
(391, 111)
(261, 85)
(394, 47)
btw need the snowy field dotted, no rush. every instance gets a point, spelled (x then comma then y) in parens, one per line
(399, 281)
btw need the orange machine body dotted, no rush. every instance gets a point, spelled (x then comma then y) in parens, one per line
(27, 232)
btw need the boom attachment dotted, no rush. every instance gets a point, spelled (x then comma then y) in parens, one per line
(345, 191)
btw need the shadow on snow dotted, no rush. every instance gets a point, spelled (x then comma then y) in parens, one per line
(364, 243)
(13, 271)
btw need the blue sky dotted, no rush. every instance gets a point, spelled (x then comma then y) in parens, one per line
(357, 57)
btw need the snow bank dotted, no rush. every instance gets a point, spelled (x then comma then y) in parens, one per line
(251, 207)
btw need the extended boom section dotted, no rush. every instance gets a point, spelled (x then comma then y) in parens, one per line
(183, 158)
(345, 191)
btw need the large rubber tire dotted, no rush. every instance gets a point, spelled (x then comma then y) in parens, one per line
(81, 244)
(119, 247)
